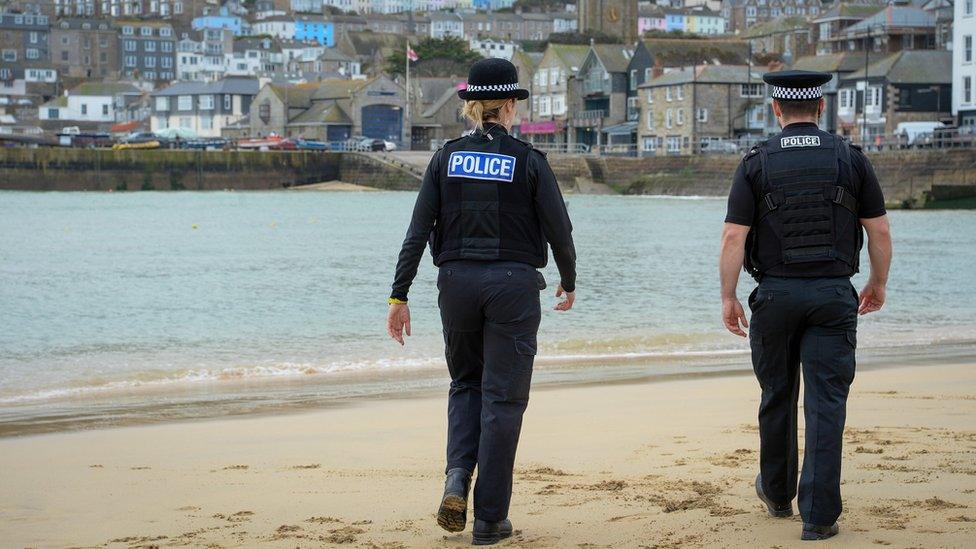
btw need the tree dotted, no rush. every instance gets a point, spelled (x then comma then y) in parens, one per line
(437, 57)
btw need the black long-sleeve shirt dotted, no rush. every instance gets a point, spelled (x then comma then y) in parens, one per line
(548, 202)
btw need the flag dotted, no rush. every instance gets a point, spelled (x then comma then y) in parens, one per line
(411, 55)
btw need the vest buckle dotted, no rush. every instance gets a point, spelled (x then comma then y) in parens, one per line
(838, 195)
(770, 203)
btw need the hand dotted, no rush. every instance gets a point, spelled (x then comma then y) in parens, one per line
(733, 315)
(396, 320)
(872, 298)
(567, 303)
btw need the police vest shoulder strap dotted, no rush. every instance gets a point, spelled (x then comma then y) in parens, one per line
(529, 145)
(838, 194)
(770, 199)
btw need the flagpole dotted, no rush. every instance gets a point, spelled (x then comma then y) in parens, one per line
(406, 109)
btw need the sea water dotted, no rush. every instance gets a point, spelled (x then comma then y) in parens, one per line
(137, 306)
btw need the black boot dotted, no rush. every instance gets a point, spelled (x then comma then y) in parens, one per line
(778, 510)
(489, 533)
(453, 513)
(813, 532)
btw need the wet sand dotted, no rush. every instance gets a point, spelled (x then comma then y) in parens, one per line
(660, 464)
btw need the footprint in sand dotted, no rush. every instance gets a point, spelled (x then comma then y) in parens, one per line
(237, 468)
(310, 466)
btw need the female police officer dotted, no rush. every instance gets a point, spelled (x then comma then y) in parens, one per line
(489, 204)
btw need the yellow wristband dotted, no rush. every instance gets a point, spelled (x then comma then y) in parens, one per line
(395, 301)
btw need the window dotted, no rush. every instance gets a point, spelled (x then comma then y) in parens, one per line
(873, 99)
(751, 90)
(150, 75)
(145, 31)
(633, 79)
(150, 45)
(186, 122)
(53, 114)
(105, 110)
(680, 116)
(968, 7)
(32, 53)
(967, 50)
(650, 120)
(162, 104)
(701, 115)
(128, 31)
(846, 100)
(545, 105)
(667, 93)
(166, 32)
(103, 42)
(131, 61)
(650, 143)
(227, 102)
(559, 105)
(184, 102)
(84, 108)
(543, 79)
(674, 144)
(130, 45)
(668, 119)
(33, 37)
(150, 62)
(166, 46)
(681, 92)
(9, 55)
(967, 89)
(167, 62)
(648, 72)
(206, 122)
(554, 76)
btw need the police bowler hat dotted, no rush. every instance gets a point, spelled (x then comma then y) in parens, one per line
(493, 79)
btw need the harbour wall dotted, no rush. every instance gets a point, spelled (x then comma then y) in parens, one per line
(906, 176)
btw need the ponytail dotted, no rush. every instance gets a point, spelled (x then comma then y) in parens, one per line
(479, 111)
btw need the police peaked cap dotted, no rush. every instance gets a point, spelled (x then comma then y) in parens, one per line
(493, 79)
(796, 85)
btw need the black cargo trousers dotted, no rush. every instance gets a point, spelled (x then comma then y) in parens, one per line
(808, 322)
(491, 314)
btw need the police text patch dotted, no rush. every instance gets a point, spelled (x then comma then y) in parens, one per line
(481, 165)
(800, 141)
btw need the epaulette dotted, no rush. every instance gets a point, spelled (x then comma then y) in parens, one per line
(450, 141)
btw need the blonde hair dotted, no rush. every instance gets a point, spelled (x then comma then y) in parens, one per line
(480, 110)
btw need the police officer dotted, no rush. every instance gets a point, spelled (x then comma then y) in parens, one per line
(490, 207)
(796, 210)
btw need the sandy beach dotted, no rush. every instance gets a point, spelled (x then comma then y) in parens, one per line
(662, 464)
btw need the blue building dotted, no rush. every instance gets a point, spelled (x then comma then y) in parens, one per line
(223, 20)
(319, 31)
(674, 21)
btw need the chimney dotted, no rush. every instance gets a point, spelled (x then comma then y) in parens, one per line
(658, 68)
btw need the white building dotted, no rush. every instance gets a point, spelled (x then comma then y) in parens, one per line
(204, 108)
(444, 24)
(566, 21)
(90, 102)
(493, 48)
(278, 27)
(963, 64)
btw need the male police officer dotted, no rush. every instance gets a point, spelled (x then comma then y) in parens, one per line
(490, 207)
(796, 208)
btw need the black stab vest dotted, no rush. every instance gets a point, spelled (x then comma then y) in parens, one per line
(487, 209)
(806, 218)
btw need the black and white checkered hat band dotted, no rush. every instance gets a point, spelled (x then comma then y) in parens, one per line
(815, 92)
(493, 87)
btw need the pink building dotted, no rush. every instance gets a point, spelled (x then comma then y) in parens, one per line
(650, 18)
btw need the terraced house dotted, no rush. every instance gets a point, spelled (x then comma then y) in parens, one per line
(85, 48)
(598, 97)
(701, 109)
(205, 108)
(549, 102)
(148, 50)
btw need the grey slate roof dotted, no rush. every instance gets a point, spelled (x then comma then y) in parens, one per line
(894, 17)
(234, 86)
(911, 67)
(707, 74)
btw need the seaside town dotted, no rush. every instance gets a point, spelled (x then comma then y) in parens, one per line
(611, 77)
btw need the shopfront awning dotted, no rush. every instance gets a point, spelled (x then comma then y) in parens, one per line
(626, 128)
(537, 128)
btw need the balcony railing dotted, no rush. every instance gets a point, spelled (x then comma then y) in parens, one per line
(589, 118)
